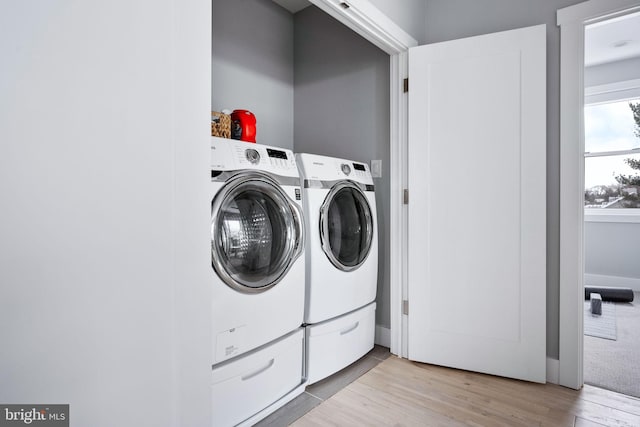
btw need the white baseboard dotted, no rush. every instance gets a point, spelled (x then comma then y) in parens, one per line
(383, 336)
(553, 370)
(616, 281)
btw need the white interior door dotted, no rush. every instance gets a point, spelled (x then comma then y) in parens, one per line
(477, 211)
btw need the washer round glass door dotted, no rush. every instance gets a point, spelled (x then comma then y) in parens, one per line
(346, 226)
(256, 233)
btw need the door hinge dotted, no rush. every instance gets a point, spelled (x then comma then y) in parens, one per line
(405, 307)
(405, 196)
(405, 85)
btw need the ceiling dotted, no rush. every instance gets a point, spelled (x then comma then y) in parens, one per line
(612, 40)
(293, 6)
(608, 41)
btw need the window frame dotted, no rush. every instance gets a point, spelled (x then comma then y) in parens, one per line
(625, 90)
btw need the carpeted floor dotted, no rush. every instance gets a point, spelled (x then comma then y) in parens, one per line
(614, 364)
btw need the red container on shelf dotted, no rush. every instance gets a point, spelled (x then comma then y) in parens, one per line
(243, 125)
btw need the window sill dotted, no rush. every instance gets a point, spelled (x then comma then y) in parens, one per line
(612, 215)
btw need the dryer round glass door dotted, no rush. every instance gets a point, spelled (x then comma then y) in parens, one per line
(256, 233)
(346, 226)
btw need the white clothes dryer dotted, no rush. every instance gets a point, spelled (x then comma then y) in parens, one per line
(342, 238)
(342, 262)
(257, 246)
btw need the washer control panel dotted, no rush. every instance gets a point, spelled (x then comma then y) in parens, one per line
(229, 154)
(252, 155)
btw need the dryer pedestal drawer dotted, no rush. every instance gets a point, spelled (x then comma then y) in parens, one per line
(336, 343)
(243, 387)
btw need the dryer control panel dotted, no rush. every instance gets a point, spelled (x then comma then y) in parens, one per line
(360, 170)
(324, 168)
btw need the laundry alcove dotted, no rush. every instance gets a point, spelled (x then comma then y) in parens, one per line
(314, 86)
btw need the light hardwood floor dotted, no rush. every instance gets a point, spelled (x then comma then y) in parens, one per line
(398, 392)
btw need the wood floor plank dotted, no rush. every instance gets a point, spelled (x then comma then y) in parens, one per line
(519, 407)
(605, 415)
(581, 422)
(445, 399)
(611, 398)
(398, 392)
(359, 405)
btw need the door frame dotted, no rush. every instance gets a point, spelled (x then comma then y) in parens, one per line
(369, 22)
(572, 21)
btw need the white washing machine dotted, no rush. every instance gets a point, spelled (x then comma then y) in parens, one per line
(257, 277)
(342, 262)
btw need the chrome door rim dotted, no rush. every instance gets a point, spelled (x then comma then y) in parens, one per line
(294, 241)
(324, 225)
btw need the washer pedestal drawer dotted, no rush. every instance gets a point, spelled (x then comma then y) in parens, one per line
(245, 386)
(336, 343)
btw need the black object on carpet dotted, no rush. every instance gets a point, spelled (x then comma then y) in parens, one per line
(609, 293)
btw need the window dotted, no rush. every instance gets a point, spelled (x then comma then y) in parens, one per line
(612, 155)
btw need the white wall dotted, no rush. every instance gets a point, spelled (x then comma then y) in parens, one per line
(611, 252)
(612, 72)
(252, 65)
(104, 157)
